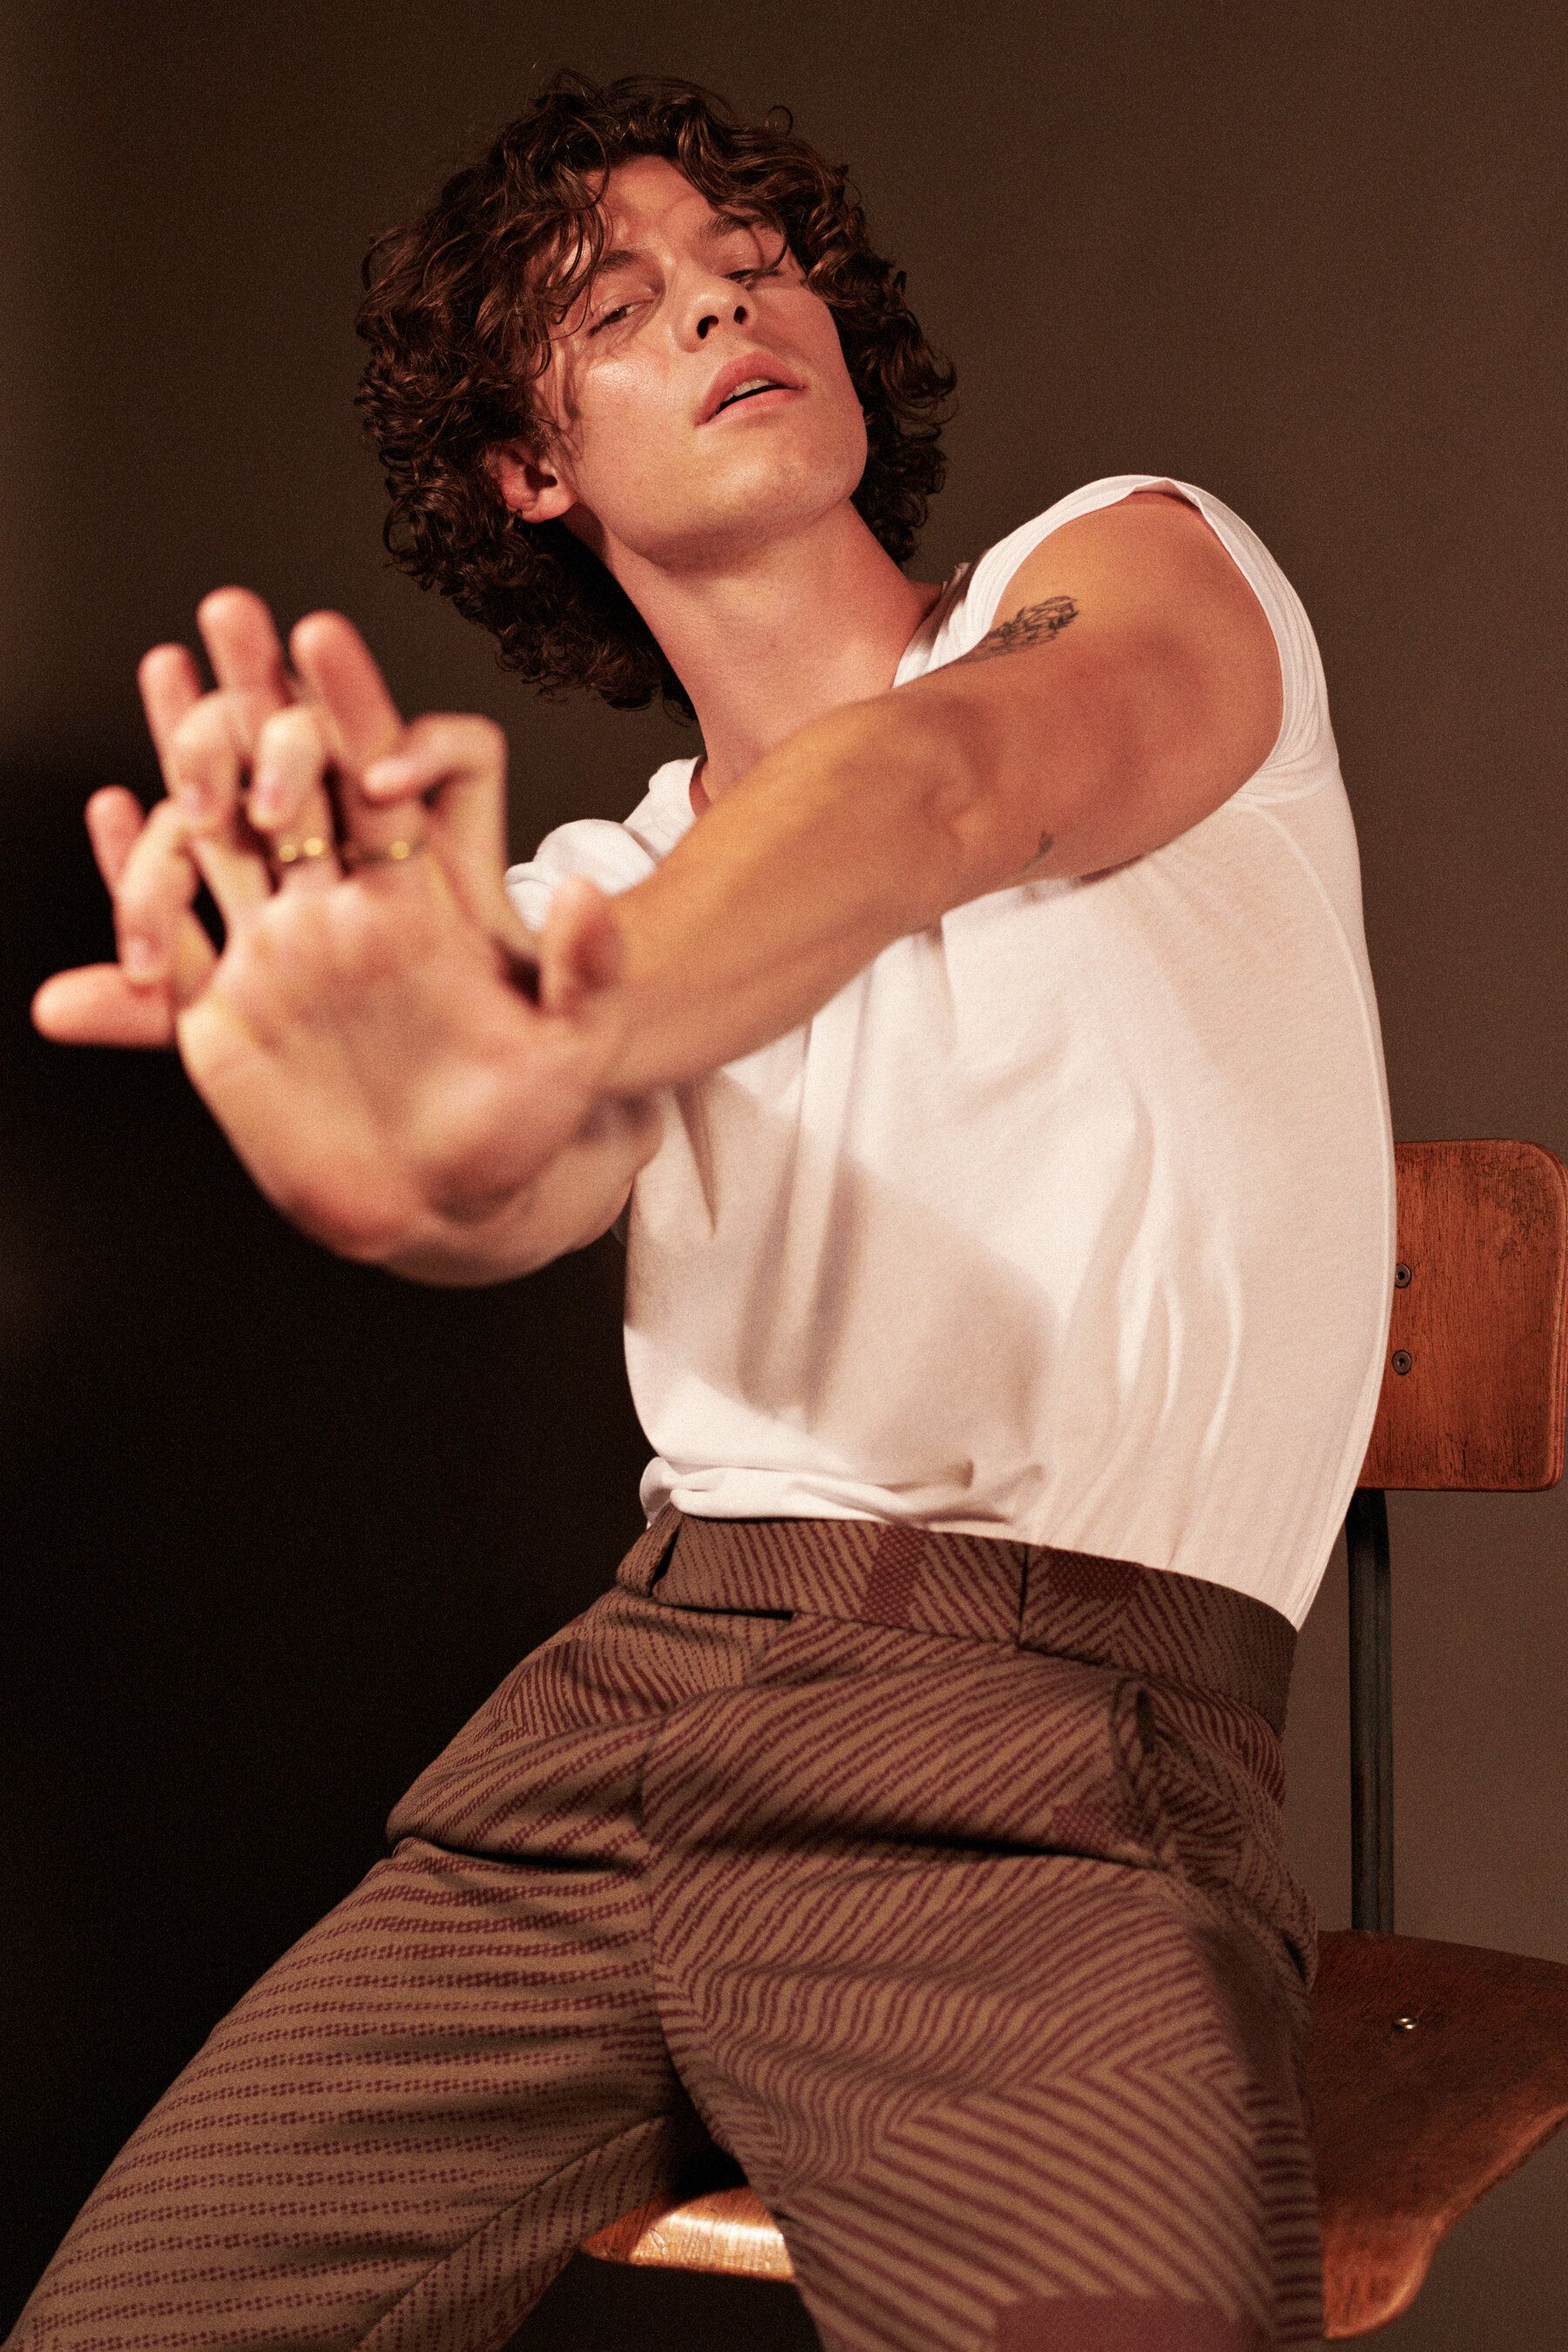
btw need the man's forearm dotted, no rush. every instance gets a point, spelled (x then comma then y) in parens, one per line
(850, 835)
(573, 1199)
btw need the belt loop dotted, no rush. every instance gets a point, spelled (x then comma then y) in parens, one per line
(892, 1577)
(646, 1562)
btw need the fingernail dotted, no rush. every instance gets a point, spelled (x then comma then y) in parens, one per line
(386, 775)
(267, 795)
(139, 957)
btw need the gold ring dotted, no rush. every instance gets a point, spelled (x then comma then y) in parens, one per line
(356, 854)
(288, 851)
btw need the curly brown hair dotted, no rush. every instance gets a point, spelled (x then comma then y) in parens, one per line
(458, 305)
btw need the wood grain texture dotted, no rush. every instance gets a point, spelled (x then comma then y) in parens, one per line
(1414, 2125)
(724, 2229)
(1483, 1321)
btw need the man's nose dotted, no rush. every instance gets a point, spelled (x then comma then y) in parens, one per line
(710, 305)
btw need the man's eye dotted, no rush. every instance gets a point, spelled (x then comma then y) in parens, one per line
(609, 317)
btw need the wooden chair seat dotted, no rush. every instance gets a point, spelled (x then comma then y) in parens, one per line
(724, 2228)
(1412, 2122)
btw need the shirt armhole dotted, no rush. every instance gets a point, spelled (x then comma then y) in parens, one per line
(1295, 763)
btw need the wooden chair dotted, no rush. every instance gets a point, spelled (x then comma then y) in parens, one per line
(1436, 2068)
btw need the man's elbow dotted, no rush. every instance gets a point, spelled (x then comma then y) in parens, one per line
(1038, 783)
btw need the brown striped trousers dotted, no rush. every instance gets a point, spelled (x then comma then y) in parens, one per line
(937, 1878)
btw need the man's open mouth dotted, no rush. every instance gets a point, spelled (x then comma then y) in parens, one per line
(744, 378)
(749, 391)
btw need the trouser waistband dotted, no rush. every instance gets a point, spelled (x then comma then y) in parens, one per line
(1151, 1622)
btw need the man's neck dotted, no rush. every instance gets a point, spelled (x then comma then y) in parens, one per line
(791, 629)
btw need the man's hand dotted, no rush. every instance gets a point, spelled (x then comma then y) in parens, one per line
(399, 1062)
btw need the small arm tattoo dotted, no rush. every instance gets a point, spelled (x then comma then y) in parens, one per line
(1036, 625)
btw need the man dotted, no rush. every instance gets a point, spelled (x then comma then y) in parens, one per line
(979, 1041)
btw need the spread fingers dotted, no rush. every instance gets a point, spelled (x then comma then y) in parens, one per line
(454, 763)
(114, 819)
(289, 805)
(157, 886)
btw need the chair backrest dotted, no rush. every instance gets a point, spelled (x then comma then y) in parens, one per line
(1476, 1377)
(1437, 2068)
(1474, 1382)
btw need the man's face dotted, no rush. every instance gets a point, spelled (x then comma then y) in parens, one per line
(633, 365)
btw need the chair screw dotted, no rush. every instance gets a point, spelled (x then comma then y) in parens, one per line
(1401, 1359)
(1401, 1276)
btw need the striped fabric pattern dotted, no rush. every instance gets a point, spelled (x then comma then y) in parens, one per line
(937, 1879)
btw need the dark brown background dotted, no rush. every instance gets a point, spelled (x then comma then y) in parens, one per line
(279, 1523)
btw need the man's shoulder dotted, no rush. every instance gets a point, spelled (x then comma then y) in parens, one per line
(995, 566)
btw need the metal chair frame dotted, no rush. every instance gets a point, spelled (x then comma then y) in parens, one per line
(1371, 1710)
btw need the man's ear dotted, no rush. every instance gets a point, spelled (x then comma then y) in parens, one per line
(530, 486)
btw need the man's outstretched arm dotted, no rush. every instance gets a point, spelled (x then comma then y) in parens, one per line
(1130, 684)
(370, 1042)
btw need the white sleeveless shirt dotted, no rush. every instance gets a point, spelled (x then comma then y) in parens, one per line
(1070, 1218)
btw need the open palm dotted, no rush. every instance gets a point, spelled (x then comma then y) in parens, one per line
(383, 1043)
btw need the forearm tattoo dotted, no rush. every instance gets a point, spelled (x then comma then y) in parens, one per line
(1036, 625)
